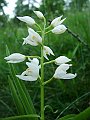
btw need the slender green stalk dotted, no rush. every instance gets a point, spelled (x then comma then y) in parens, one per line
(52, 61)
(42, 73)
(48, 81)
(33, 57)
(48, 32)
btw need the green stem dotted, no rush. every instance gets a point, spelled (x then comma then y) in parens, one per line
(52, 61)
(48, 32)
(48, 27)
(48, 81)
(42, 73)
(39, 27)
(33, 57)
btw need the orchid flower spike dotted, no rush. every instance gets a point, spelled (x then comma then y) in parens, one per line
(39, 14)
(33, 38)
(61, 60)
(59, 29)
(57, 21)
(30, 21)
(47, 51)
(32, 72)
(61, 73)
(15, 58)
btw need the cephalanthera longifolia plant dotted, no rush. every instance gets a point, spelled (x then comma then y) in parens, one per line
(36, 64)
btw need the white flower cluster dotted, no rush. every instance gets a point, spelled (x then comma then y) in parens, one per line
(34, 39)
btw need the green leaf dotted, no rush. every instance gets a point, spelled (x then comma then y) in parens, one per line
(21, 91)
(85, 115)
(21, 117)
(16, 98)
(67, 117)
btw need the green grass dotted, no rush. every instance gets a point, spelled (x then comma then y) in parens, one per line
(59, 94)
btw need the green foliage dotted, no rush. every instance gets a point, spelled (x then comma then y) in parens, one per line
(78, 4)
(59, 94)
(52, 8)
(85, 115)
(19, 92)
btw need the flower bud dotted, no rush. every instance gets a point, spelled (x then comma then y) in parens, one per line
(61, 60)
(39, 14)
(59, 29)
(30, 21)
(15, 58)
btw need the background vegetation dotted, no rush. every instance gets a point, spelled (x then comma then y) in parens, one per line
(62, 96)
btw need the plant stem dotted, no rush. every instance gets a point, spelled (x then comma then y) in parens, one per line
(48, 81)
(42, 73)
(52, 61)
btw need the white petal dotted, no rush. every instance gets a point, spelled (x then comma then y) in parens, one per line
(56, 21)
(63, 67)
(15, 58)
(59, 29)
(45, 55)
(26, 78)
(69, 76)
(39, 14)
(27, 19)
(47, 51)
(61, 21)
(59, 73)
(34, 36)
(61, 60)
(29, 40)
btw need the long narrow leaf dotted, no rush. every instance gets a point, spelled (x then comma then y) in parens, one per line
(15, 97)
(21, 90)
(21, 117)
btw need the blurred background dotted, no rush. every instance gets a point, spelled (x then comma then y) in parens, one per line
(62, 96)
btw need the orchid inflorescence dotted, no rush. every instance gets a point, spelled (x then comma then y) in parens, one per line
(34, 39)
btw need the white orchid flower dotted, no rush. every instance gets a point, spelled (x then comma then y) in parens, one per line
(61, 73)
(30, 21)
(15, 58)
(47, 51)
(32, 72)
(61, 60)
(59, 29)
(39, 14)
(33, 38)
(57, 21)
